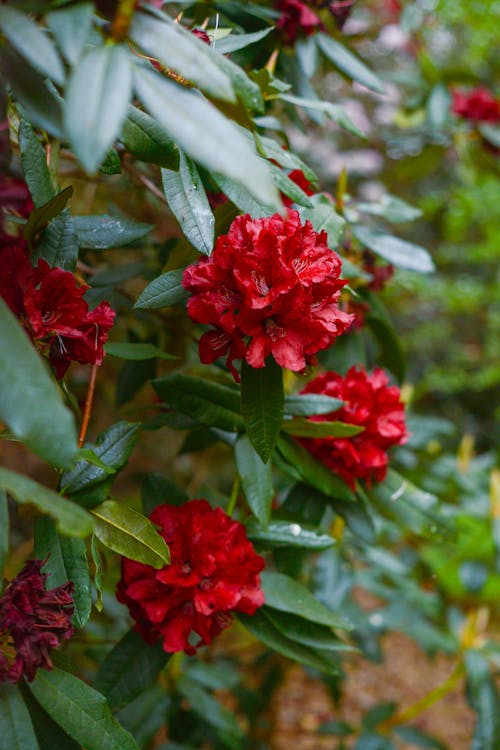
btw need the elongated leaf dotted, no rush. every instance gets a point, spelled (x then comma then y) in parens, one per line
(334, 111)
(97, 99)
(30, 402)
(320, 637)
(391, 208)
(399, 252)
(70, 518)
(71, 27)
(256, 478)
(129, 533)
(205, 134)
(289, 188)
(50, 736)
(34, 161)
(209, 403)
(287, 595)
(348, 63)
(147, 140)
(103, 231)
(4, 530)
(311, 429)
(66, 561)
(262, 405)
(309, 404)
(41, 216)
(31, 42)
(287, 534)
(188, 202)
(165, 290)
(211, 711)
(483, 695)
(157, 488)
(16, 729)
(134, 352)
(241, 197)
(58, 244)
(179, 50)
(234, 42)
(129, 668)
(287, 159)
(323, 217)
(81, 711)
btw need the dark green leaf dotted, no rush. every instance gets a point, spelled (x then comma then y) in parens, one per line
(334, 111)
(309, 404)
(256, 478)
(391, 352)
(165, 290)
(129, 668)
(414, 736)
(285, 158)
(211, 711)
(145, 716)
(345, 61)
(132, 377)
(99, 565)
(103, 231)
(30, 402)
(287, 534)
(31, 42)
(262, 405)
(58, 243)
(16, 729)
(70, 518)
(235, 42)
(49, 734)
(130, 534)
(188, 202)
(337, 728)
(40, 217)
(287, 595)
(97, 99)
(290, 188)
(112, 163)
(34, 161)
(307, 633)
(241, 197)
(157, 489)
(323, 217)
(147, 140)
(71, 28)
(209, 403)
(483, 696)
(399, 252)
(66, 561)
(81, 711)
(309, 428)
(4, 530)
(357, 518)
(135, 351)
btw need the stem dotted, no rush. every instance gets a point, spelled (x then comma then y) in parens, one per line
(235, 491)
(410, 713)
(88, 406)
(122, 20)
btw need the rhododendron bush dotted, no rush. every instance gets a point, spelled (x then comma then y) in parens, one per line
(215, 463)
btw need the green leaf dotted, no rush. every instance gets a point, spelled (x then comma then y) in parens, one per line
(262, 405)
(323, 217)
(414, 736)
(30, 402)
(345, 61)
(399, 252)
(235, 42)
(438, 106)
(490, 133)
(157, 489)
(304, 467)
(71, 28)
(205, 134)
(287, 534)
(103, 231)
(31, 42)
(4, 530)
(320, 637)
(289, 188)
(209, 403)
(34, 161)
(181, 51)
(165, 290)
(310, 404)
(130, 351)
(256, 478)
(99, 566)
(66, 561)
(58, 244)
(70, 518)
(241, 197)
(189, 204)
(129, 533)
(97, 99)
(147, 140)
(311, 429)
(129, 668)
(40, 217)
(81, 711)
(112, 163)
(287, 159)
(391, 353)
(145, 716)
(16, 729)
(50, 736)
(211, 711)
(334, 111)
(483, 696)
(287, 595)
(391, 208)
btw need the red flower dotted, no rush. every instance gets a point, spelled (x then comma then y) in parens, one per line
(298, 176)
(380, 274)
(214, 571)
(50, 303)
(478, 105)
(370, 403)
(341, 10)
(33, 621)
(201, 34)
(271, 286)
(15, 198)
(296, 17)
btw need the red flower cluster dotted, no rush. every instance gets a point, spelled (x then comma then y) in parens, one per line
(214, 571)
(370, 403)
(270, 287)
(478, 105)
(296, 18)
(50, 304)
(33, 621)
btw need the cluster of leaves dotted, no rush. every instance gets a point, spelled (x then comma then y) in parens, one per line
(86, 107)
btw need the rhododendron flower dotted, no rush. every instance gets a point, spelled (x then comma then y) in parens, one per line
(380, 273)
(369, 403)
(271, 286)
(33, 621)
(49, 302)
(15, 199)
(478, 105)
(341, 10)
(214, 571)
(296, 17)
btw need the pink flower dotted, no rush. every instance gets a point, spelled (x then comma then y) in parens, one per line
(33, 621)
(370, 403)
(214, 571)
(296, 18)
(478, 105)
(271, 286)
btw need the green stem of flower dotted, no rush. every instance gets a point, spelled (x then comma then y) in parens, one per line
(235, 491)
(122, 20)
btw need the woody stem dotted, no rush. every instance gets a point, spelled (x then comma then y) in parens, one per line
(88, 406)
